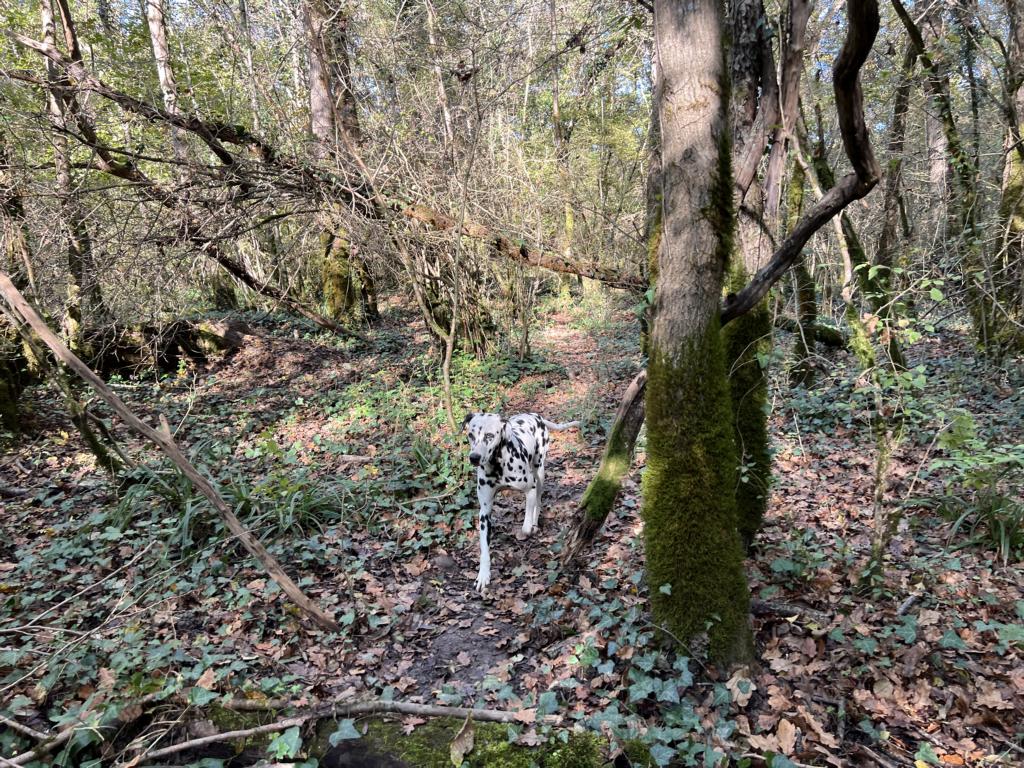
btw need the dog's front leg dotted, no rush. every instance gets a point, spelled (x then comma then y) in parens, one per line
(485, 495)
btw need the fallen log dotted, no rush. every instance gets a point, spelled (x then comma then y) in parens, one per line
(829, 335)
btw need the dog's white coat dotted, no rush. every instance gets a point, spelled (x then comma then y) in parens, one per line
(507, 454)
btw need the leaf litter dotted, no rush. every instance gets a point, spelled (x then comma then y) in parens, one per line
(926, 668)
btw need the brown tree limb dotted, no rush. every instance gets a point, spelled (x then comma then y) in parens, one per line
(22, 309)
(599, 498)
(862, 27)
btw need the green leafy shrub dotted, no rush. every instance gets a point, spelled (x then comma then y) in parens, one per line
(983, 484)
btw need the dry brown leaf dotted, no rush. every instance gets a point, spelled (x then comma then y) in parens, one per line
(765, 742)
(462, 744)
(786, 733)
(526, 716)
(107, 679)
(208, 679)
(409, 723)
(951, 759)
(741, 687)
(824, 736)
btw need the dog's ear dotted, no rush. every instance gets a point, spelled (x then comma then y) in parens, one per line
(465, 421)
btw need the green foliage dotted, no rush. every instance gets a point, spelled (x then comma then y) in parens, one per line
(983, 482)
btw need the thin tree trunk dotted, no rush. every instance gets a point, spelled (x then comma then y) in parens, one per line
(155, 20)
(1009, 267)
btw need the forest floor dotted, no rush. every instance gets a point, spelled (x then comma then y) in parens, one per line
(341, 460)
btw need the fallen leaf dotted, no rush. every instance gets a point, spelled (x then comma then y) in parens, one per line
(207, 679)
(409, 724)
(526, 716)
(787, 736)
(741, 687)
(462, 744)
(951, 759)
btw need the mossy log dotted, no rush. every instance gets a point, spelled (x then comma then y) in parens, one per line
(599, 498)
(830, 335)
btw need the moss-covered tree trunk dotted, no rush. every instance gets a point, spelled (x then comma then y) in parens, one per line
(334, 116)
(693, 551)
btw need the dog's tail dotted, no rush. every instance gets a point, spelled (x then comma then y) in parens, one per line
(559, 427)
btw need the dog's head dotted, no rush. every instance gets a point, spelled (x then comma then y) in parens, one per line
(484, 433)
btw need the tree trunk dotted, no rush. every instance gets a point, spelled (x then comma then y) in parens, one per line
(977, 272)
(154, 11)
(694, 558)
(748, 341)
(334, 119)
(1009, 268)
(803, 370)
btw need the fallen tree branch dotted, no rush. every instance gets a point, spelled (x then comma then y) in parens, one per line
(22, 309)
(25, 730)
(829, 335)
(375, 707)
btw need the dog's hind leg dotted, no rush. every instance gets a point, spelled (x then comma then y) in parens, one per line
(527, 519)
(485, 494)
(540, 494)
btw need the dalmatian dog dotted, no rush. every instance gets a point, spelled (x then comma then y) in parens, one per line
(507, 453)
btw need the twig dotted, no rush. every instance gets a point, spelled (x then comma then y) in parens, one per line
(24, 729)
(772, 608)
(879, 760)
(12, 493)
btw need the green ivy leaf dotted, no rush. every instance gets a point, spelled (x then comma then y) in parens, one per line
(286, 744)
(345, 732)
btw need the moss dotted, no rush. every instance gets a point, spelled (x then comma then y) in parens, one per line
(428, 746)
(689, 507)
(747, 339)
(340, 279)
(583, 750)
(638, 754)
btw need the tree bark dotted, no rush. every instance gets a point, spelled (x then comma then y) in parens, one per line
(157, 24)
(694, 558)
(1009, 267)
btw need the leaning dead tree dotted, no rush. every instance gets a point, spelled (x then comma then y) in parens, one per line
(862, 27)
(27, 317)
